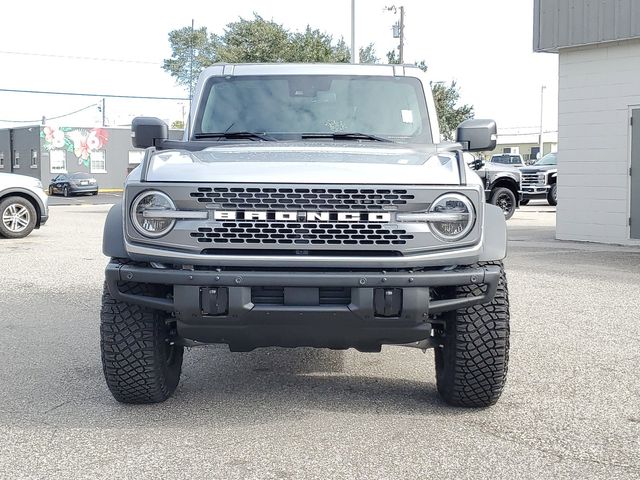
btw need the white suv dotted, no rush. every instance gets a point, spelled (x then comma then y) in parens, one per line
(23, 205)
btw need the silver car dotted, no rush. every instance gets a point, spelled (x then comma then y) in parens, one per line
(23, 205)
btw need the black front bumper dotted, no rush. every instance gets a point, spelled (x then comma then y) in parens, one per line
(297, 318)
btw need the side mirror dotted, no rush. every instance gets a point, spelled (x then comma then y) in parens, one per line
(477, 135)
(477, 164)
(148, 132)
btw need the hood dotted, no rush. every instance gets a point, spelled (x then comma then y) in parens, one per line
(538, 168)
(8, 180)
(307, 162)
(496, 167)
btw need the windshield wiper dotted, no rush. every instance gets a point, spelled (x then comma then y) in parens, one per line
(235, 135)
(346, 136)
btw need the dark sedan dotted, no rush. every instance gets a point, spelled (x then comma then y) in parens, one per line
(73, 184)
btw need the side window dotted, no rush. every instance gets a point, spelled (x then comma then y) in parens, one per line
(1, 159)
(16, 159)
(58, 161)
(34, 158)
(98, 162)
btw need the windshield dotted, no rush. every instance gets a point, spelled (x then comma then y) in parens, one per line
(287, 106)
(548, 159)
(506, 159)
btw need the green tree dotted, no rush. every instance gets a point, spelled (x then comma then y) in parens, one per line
(249, 41)
(368, 54)
(450, 115)
(177, 125)
(204, 54)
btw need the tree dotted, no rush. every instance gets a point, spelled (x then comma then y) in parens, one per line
(177, 125)
(446, 98)
(249, 41)
(368, 54)
(204, 54)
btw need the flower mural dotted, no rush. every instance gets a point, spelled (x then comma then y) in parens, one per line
(82, 142)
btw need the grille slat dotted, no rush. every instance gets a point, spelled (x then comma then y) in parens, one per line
(311, 234)
(338, 199)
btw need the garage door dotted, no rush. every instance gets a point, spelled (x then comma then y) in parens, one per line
(635, 174)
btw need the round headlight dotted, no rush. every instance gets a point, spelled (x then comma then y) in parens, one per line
(457, 217)
(146, 214)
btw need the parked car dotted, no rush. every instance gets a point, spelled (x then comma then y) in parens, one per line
(511, 159)
(23, 205)
(501, 183)
(540, 180)
(73, 184)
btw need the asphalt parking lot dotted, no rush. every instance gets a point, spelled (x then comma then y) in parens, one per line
(571, 408)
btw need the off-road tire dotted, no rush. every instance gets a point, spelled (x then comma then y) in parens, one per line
(28, 215)
(552, 196)
(471, 363)
(140, 362)
(524, 202)
(506, 200)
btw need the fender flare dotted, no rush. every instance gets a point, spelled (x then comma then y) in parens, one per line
(113, 236)
(494, 234)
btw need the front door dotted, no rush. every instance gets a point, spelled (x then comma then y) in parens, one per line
(635, 174)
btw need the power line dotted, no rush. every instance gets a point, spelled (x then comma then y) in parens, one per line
(77, 94)
(76, 57)
(52, 118)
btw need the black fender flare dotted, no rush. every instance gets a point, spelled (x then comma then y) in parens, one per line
(113, 236)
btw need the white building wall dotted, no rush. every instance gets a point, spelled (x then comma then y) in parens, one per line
(598, 85)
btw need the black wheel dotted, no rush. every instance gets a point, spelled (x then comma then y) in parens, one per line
(471, 363)
(65, 191)
(18, 217)
(95, 193)
(51, 191)
(552, 196)
(140, 361)
(525, 202)
(505, 199)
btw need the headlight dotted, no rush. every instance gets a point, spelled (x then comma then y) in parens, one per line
(147, 214)
(452, 217)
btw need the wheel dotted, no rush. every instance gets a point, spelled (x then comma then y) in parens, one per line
(65, 191)
(525, 202)
(505, 199)
(471, 361)
(552, 196)
(141, 363)
(18, 217)
(95, 193)
(51, 191)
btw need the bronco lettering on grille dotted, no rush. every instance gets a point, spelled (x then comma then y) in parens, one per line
(264, 215)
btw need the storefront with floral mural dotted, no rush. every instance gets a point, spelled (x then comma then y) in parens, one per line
(47, 151)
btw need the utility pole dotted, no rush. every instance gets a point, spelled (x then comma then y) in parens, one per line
(104, 114)
(541, 146)
(398, 30)
(401, 47)
(353, 32)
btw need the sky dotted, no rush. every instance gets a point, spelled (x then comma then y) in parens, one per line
(117, 47)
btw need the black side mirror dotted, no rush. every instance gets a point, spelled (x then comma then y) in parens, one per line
(477, 164)
(148, 132)
(477, 135)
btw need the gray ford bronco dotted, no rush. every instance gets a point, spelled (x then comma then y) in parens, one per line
(307, 205)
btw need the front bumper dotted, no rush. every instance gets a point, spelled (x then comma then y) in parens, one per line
(530, 191)
(299, 319)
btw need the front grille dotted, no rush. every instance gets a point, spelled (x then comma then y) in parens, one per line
(276, 296)
(301, 234)
(531, 179)
(272, 198)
